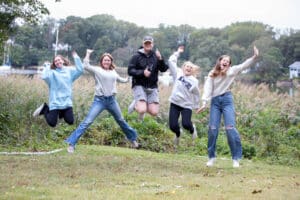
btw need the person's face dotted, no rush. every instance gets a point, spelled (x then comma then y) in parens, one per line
(58, 61)
(106, 62)
(187, 70)
(148, 46)
(225, 62)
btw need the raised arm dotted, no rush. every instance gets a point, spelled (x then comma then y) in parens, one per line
(173, 62)
(86, 61)
(246, 64)
(79, 66)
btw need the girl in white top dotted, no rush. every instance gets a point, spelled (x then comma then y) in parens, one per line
(185, 96)
(105, 89)
(217, 90)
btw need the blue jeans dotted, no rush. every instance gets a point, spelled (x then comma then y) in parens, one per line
(101, 103)
(223, 104)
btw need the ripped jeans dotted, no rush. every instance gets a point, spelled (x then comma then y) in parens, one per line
(223, 104)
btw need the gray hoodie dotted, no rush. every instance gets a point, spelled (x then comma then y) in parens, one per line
(185, 91)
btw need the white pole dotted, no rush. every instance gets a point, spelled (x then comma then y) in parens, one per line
(56, 42)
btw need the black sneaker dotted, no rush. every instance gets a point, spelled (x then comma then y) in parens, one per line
(39, 110)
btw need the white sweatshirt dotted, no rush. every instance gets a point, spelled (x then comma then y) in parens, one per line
(185, 91)
(215, 86)
(105, 79)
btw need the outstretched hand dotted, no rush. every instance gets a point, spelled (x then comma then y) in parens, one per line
(180, 49)
(201, 109)
(88, 53)
(74, 53)
(255, 52)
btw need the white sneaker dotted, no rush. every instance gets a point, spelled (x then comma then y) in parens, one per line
(235, 163)
(176, 141)
(71, 149)
(134, 144)
(38, 111)
(131, 107)
(195, 134)
(210, 162)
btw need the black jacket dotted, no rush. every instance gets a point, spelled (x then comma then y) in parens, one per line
(139, 62)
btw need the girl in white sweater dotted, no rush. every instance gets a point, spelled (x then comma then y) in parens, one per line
(105, 90)
(217, 90)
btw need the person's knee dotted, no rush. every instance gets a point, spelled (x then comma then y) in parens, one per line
(70, 122)
(229, 127)
(141, 107)
(52, 124)
(153, 109)
(153, 112)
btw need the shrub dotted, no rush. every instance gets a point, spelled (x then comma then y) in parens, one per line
(268, 122)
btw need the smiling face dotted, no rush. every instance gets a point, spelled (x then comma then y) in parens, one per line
(225, 62)
(148, 46)
(58, 61)
(106, 62)
(190, 69)
(187, 69)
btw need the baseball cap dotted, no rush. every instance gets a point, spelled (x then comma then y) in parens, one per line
(148, 39)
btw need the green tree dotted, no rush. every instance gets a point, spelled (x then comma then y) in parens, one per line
(244, 33)
(289, 44)
(14, 12)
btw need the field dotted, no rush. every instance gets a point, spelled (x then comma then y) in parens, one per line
(103, 167)
(103, 172)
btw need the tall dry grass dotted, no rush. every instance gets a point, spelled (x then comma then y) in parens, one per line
(268, 122)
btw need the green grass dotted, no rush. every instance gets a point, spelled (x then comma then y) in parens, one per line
(104, 172)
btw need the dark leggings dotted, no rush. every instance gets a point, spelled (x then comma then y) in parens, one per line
(52, 116)
(186, 119)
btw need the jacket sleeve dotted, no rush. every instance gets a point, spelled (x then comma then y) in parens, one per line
(196, 93)
(132, 71)
(207, 90)
(162, 65)
(88, 67)
(79, 68)
(121, 79)
(234, 70)
(173, 65)
(46, 74)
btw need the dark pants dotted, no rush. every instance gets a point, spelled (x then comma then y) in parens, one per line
(52, 116)
(186, 119)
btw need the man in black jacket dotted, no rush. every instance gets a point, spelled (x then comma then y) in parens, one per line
(144, 68)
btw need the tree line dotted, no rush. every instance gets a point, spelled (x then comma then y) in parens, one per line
(33, 44)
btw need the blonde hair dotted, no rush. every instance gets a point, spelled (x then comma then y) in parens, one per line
(216, 71)
(112, 66)
(195, 68)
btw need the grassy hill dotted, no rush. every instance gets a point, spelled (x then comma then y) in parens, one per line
(104, 172)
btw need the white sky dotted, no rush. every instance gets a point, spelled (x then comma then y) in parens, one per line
(280, 14)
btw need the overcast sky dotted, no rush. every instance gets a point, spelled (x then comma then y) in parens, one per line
(280, 14)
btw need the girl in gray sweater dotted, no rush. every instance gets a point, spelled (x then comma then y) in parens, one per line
(105, 90)
(185, 96)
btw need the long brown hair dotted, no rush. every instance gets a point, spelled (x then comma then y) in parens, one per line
(112, 66)
(66, 61)
(216, 71)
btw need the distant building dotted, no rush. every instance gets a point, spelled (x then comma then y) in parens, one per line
(295, 70)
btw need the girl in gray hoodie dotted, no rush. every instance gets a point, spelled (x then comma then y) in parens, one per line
(185, 96)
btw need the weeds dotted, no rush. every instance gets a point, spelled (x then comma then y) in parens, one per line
(269, 123)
